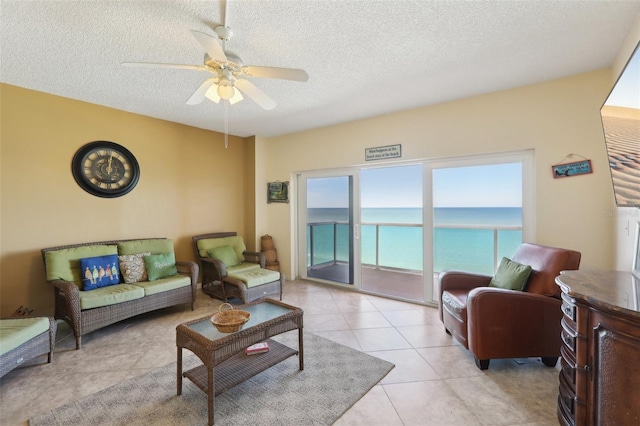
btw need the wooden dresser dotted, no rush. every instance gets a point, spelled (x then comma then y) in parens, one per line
(600, 376)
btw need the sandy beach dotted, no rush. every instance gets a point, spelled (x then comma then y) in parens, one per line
(622, 134)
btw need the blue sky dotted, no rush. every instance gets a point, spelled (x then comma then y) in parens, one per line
(626, 92)
(479, 186)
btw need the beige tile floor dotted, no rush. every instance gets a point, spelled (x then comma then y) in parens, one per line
(435, 381)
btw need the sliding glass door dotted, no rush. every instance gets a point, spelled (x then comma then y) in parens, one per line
(390, 230)
(327, 227)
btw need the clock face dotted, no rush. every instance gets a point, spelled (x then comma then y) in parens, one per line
(105, 169)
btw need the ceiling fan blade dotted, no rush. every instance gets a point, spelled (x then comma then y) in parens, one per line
(210, 45)
(151, 65)
(275, 72)
(258, 96)
(198, 95)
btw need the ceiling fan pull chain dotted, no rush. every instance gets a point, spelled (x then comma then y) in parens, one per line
(226, 123)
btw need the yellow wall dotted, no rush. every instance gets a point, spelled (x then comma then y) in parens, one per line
(190, 184)
(555, 118)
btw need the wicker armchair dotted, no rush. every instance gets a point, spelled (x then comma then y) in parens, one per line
(220, 282)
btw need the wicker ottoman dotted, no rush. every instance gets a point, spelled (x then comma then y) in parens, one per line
(23, 339)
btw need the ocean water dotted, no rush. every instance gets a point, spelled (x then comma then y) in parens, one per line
(400, 242)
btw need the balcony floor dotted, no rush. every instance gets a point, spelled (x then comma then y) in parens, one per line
(386, 282)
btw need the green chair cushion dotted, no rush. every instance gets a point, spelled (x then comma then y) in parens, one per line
(15, 332)
(226, 254)
(164, 284)
(235, 241)
(255, 277)
(511, 275)
(111, 295)
(64, 264)
(244, 266)
(151, 245)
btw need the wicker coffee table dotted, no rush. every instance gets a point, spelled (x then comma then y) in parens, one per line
(224, 363)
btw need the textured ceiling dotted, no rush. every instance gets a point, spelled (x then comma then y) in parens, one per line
(364, 58)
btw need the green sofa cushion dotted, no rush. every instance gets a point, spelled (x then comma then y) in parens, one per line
(64, 264)
(111, 295)
(151, 245)
(255, 277)
(235, 241)
(15, 332)
(164, 284)
(511, 275)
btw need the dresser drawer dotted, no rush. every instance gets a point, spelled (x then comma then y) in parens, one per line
(568, 306)
(568, 335)
(568, 369)
(565, 418)
(566, 398)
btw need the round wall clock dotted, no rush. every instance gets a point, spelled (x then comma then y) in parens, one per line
(105, 169)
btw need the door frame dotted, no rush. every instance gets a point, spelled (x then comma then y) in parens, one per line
(301, 222)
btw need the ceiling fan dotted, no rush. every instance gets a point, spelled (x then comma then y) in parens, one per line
(229, 71)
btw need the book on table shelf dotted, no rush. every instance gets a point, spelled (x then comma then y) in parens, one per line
(258, 348)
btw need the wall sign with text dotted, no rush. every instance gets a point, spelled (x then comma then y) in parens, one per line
(572, 169)
(383, 152)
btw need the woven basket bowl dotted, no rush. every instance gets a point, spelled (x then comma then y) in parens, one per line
(229, 321)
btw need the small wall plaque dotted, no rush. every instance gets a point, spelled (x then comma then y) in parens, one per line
(572, 169)
(383, 152)
(278, 192)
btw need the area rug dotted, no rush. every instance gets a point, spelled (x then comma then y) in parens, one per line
(334, 378)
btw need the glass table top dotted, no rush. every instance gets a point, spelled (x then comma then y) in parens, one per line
(260, 313)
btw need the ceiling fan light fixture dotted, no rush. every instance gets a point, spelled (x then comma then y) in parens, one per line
(225, 91)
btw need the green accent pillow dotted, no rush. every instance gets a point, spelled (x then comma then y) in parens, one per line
(511, 275)
(225, 253)
(160, 266)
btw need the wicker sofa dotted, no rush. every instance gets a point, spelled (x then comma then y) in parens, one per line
(23, 339)
(86, 311)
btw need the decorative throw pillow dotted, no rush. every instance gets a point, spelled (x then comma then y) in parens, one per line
(511, 275)
(132, 267)
(225, 253)
(160, 265)
(100, 271)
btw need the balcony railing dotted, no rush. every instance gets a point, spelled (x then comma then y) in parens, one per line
(476, 248)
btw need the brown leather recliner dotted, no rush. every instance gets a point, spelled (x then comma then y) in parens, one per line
(497, 323)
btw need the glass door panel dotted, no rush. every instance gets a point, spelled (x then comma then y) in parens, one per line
(329, 229)
(392, 231)
(477, 216)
